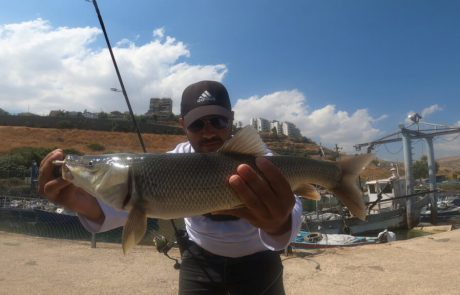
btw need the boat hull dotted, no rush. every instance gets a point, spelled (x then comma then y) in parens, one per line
(390, 219)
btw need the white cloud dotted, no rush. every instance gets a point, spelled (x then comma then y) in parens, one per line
(160, 32)
(426, 112)
(430, 110)
(448, 145)
(326, 125)
(46, 68)
(381, 118)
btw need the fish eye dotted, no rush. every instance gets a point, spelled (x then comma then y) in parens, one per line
(90, 163)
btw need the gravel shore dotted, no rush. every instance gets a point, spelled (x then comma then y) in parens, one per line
(424, 265)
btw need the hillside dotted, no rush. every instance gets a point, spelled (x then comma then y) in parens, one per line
(449, 166)
(14, 137)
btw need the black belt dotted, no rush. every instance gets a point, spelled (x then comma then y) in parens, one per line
(196, 249)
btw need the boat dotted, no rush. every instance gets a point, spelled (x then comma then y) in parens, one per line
(317, 240)
(386, 207)
(448, 210)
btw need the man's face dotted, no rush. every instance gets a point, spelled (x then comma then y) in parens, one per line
(208, 138)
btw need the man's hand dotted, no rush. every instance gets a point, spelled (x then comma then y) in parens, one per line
(64, 193)
(269, 199)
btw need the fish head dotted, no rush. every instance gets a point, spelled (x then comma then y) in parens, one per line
(104, 177)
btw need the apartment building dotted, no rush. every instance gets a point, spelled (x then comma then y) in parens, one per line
(282, 128)
(260, 124)
(161, 108)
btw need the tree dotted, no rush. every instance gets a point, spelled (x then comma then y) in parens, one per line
(420, 168)
(103, 116)
(274, 132)
(3, 112)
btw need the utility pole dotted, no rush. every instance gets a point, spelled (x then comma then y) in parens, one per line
(407, 148)
(432, 178)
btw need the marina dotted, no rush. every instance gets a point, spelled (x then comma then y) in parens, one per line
(38, 217)
(399, 202)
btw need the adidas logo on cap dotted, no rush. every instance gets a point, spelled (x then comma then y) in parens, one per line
(205, 97)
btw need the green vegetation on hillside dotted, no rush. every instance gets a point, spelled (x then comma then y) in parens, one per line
(421, 168)
(3, 112)
(18, 162)
(96, 147)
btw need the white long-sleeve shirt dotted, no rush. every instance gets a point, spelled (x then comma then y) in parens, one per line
(234, 238)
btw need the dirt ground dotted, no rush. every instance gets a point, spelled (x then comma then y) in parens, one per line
(424, 265)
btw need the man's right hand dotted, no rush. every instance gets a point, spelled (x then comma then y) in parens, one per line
(64, 193)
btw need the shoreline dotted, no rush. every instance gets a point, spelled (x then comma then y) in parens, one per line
(35, 265)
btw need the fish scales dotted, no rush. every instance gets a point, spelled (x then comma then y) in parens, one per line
(181, 185)
(299, 170)
(178, 185)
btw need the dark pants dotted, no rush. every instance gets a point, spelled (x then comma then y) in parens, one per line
(202, 272)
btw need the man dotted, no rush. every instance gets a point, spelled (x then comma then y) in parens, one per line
(227, 252)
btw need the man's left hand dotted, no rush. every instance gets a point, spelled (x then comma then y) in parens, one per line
(268, 198)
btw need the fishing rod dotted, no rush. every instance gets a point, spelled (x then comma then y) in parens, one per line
(122, 85)
(179, 234)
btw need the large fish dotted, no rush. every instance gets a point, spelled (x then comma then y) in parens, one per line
(170, 186)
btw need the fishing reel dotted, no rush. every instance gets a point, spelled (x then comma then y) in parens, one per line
(163, 246)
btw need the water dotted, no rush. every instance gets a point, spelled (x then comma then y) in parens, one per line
(59, 226)
(406, 234)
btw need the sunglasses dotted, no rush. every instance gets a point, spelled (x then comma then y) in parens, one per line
(217, 122)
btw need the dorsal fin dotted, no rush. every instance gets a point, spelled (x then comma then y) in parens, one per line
(247, 141)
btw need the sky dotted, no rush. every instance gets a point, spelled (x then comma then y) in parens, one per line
(345, 72)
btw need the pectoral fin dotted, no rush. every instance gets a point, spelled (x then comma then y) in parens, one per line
(307, 191)
(134, 229)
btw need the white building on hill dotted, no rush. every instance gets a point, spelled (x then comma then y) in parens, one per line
(260, 124)
(282, 128)
(161, 108)
(289, 129)
(278, 126)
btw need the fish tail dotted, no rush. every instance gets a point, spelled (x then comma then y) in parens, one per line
(348, 190)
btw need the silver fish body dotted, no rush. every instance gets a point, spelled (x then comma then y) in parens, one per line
(180, 185)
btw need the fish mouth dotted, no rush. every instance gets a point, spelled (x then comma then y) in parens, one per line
(65, 173)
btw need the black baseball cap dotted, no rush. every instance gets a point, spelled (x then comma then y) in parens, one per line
(205, 98)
